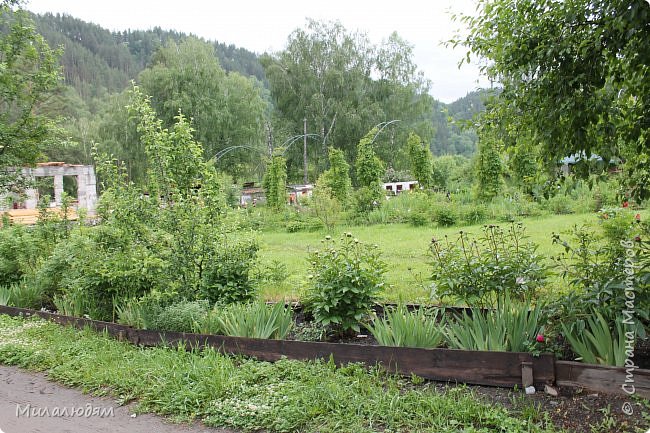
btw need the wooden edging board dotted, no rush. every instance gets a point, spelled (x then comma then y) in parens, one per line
(613, 380)
(506, 369)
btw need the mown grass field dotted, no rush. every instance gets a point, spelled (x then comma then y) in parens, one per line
(404, 248)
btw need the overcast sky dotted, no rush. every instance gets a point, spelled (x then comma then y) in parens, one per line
(263, 26)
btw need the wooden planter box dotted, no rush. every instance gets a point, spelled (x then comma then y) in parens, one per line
(505, 369)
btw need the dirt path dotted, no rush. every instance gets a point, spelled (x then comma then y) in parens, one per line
(29, 403)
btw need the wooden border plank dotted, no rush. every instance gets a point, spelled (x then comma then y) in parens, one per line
(475, 367)
(603, 378)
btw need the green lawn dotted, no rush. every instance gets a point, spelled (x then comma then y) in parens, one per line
(404, 249)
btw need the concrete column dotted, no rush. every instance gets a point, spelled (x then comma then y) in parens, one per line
(58, 189)
(32, 198)
(81, 191)
(87, 189)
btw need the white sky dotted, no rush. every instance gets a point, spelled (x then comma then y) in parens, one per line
(261, 26)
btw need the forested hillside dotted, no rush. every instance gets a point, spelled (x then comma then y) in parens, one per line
(96, 60)
(239, 99)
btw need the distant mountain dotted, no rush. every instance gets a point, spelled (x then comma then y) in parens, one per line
(454, 136)
(97, 61)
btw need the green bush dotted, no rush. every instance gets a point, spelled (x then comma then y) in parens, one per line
(445, 215)
(475, 270)
(511, 327)
(107, 267)
(559, 205)
(181, 316)
(227, 274)
(346, 277)
(367, 199)
(419, 217)
(474, 214)
(22, 249)
(256, 320)
(593, 264)
(400, 327)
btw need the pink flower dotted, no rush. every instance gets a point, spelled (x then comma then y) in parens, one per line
(540, 338)
(625, 204)
(637, 217)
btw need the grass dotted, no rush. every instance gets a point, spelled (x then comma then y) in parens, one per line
(248, 395)
(403, 247)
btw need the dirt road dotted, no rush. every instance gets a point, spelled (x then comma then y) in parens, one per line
(29, 403)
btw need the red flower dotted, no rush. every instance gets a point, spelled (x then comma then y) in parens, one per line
(540, 338)
(637, 238)
(625, 204)
(637, 217)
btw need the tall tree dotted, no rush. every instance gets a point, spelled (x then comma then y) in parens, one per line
(226, 109)
(28, 72)
(574, 77)
(343, 85)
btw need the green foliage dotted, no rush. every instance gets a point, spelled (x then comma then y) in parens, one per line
(368, 199)
(226, 274)
(401, 327)
(325, 206)
(479, 269)
(369, 168)
(275, 183)
(524, 167)
(475, 214)
(511, 327)
(489, 170)
(226, 109)
(143, 313)
(421, 161)
(593, 263)
(595, 343)
(256, 320)
(337, 177)
(324, 75)
(5, 295)
(562, 85)
(445, 214)
(181, 316)
(175, 239)
(210, 323)
(29, 73)
(24, 294)
(346, 277)
(559, 205)
(73, 303)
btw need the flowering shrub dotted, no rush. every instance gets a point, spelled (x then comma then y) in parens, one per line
(346, 277)
(475, 270)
